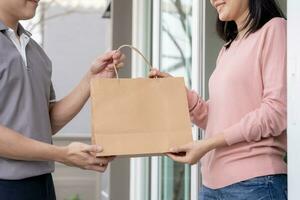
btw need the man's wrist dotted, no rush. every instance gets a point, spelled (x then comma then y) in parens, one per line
(59, 153)
(85, 83)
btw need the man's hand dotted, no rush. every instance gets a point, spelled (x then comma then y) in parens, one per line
(103, 66)
(14, 145)
(84, 156)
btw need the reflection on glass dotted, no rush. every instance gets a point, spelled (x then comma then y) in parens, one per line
(176, 32)
(176, 59)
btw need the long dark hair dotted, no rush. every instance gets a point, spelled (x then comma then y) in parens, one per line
(260, 12)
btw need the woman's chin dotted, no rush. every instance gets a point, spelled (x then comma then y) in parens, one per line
(223, 17)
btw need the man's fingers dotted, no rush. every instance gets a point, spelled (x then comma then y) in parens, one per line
(108, 56)
(98, 161)
(112, 66)
(96, 168)
(119, 60)
(120, 65)
(112, 55)
(108, 61)
(92, 149)
(111, 158)
(117, 55)
(103, 161)
(98, 67)
(123, 57)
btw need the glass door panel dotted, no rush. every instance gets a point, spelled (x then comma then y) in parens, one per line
(176, 59)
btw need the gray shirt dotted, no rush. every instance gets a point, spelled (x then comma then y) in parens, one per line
(25, 93)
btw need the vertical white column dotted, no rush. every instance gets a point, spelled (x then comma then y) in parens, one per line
(156, 47)
(198, 72)
(293, 98)
(141, 39)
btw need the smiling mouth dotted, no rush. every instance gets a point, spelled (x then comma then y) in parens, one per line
(34, 1)
(219, 8)
(219, 5)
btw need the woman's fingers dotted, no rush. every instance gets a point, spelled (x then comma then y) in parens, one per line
(181, 149)
(185, 154)
(177, 157)
(178, 154)
(155, 73)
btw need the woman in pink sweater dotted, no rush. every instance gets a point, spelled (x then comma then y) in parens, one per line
(245, 118)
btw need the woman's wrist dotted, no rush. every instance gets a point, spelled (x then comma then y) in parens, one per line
(216, 141)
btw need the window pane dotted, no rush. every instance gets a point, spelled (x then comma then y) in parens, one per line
(176, 38)
(176, 51)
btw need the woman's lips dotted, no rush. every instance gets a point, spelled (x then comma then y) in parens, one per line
(219, 5)
(34, 1)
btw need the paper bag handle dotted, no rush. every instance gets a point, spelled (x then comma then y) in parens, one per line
(137, 51)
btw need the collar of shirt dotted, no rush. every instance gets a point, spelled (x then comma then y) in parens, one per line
(3, 27)
(20, 41)
(21, 29)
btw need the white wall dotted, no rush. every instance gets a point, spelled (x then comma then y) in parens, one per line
(293, 98)
(73, 42)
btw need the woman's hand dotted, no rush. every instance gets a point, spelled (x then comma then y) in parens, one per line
(103, 66)
(84, 156)
(191, 153)
(155, 73)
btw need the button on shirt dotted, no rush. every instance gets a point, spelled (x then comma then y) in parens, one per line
(25, 94)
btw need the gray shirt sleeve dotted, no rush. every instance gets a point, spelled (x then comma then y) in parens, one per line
(52, 94)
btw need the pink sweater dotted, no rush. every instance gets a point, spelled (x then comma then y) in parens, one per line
(248, 103)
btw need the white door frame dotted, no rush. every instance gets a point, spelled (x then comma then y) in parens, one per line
(156, 52)
(293, 76)
(198, 80)
(141, 39)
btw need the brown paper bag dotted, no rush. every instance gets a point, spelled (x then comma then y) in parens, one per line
(139, 116)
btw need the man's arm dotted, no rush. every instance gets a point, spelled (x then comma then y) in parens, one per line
(15, 146)
(64, 110)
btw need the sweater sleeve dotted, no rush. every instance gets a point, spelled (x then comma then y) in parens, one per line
(270, 119)
(198, 109)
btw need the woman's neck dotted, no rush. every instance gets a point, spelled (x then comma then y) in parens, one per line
(241, 22)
